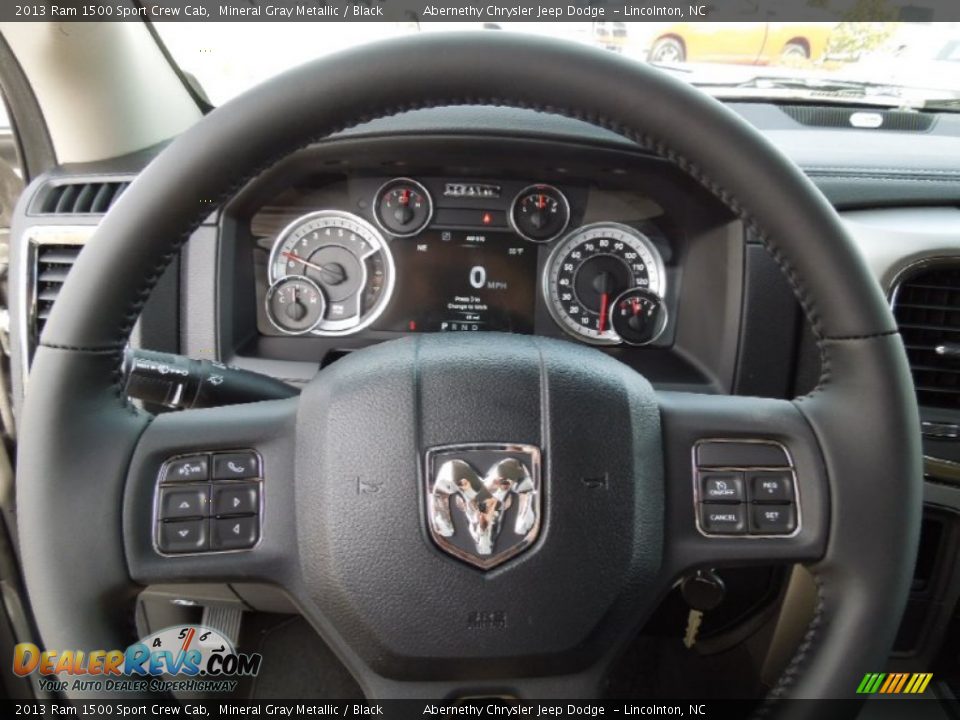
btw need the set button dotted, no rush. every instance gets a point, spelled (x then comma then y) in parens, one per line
(209, 502)
(772, 519)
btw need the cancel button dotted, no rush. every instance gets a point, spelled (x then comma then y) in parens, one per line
(723, 519)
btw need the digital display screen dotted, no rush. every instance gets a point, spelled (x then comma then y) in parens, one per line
(462, 281)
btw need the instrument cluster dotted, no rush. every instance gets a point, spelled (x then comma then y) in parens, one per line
(440, 255)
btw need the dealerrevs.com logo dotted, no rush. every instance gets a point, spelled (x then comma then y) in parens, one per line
(179, 658)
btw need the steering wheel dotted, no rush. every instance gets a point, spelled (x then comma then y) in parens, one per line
(362, 566)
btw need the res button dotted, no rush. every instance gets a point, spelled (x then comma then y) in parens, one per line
(770, 487)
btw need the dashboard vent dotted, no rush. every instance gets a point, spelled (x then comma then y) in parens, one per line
(53, 262)
(85, 198)
(927, 307)
(851, 117)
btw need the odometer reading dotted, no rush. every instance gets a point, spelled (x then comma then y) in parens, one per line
(588, 271)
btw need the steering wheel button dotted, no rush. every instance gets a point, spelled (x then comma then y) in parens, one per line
(775, 487)
(187, 469)
(234, 466)
(723, 519)
(184, 502)
(721, 488)
(236, 499)
(741, 454)
(772, 520)
(183, 536)
(237, 533)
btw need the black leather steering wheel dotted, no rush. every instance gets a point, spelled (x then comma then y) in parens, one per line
(361, 567)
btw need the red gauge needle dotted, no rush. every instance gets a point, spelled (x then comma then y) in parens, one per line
(294, 256)
(405, 197)
(636, 306)
(541, 201)
(604, 303)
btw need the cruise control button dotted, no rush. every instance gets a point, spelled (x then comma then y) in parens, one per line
(775, 487)
(741, 454)
(721, 487)
(184, 502)
(187, 469)
(772, 519)
(183, 536)
(236, 499)
(235, 466)
(234, 533)
(723, 519)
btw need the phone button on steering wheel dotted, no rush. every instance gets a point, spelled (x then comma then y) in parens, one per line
(235, 466)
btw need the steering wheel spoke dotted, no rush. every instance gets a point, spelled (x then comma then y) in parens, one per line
(745, 483)
(210, 496)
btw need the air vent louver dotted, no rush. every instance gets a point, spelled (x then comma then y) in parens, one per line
(927, 308)
(53, 264)
(88, 198)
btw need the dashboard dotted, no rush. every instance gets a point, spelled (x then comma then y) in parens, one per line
(454, 255)
(327, 253)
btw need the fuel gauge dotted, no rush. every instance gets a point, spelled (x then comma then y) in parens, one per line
(638, 316)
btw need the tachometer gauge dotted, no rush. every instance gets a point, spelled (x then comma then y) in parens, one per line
(540, 213)
(295, 305)
(348, 260)
(403, 207)
(589, 270)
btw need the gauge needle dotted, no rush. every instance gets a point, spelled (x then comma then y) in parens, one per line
(294, 256)
(604, 303)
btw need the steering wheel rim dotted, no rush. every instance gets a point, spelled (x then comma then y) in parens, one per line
(74, 400)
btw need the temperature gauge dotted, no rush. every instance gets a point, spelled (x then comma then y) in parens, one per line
(295, 305)
(638, 316)
(540, 213)
(403, 207)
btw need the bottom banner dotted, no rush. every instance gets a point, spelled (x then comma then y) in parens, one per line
(879, 709)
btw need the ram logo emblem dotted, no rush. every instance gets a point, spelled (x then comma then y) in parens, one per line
(483, 502)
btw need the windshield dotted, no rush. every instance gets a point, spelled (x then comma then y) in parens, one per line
(896, 64)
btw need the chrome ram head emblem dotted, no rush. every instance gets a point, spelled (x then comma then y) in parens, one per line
(497, 512)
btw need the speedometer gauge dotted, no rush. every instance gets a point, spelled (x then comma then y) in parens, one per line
(590, 268)
(349, 261)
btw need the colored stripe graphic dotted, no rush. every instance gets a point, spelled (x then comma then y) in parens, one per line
(894, 683)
